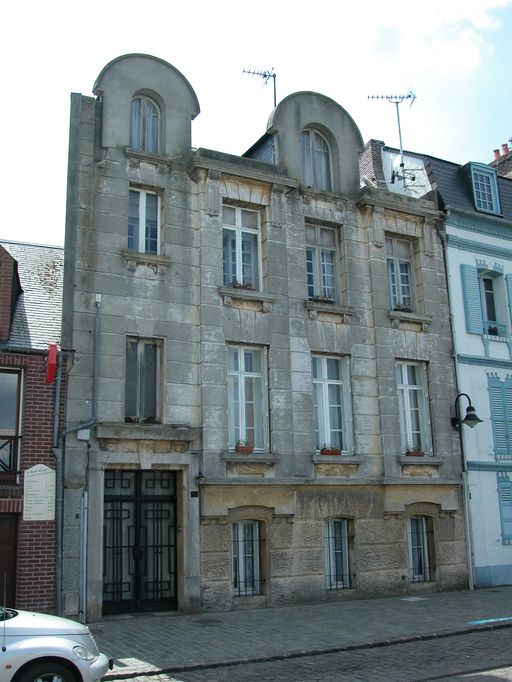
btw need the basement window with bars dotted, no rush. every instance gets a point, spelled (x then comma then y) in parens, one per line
(337, 558)
(247, 580)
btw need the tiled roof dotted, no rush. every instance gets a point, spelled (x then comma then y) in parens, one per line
(37, 318)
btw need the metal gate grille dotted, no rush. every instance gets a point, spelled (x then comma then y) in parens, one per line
(139, 541)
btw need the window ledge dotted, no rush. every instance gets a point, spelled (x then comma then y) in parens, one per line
(157, 263)
(315, 307)
(499, 339)
(258, 457)
(124, 431)
(241, 294)
(427, 460)
(137, 155)
(344, 458)
(396, 317)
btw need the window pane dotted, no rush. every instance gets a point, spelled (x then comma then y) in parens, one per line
(229, 257)
(307, 165)
(233, 410)
(333, 368)
(135, 123)
(327, 259)
(327, 237)
(131, 398)
(151, 223)
(310, 272)
(150, 381)
(249, 219)
(249, 259)
(228, 215)
(151, 131)
(8, 402)
(133, 220)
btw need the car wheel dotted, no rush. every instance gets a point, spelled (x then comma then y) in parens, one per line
(47, 671)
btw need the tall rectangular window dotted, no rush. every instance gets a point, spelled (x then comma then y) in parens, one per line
(413, 407)
(10, 418)
(245, 539)
(485, 188)
(337, 560)
(240, 247)
(247, 397)
(143, 221)
(400, 274)
(321, 271)
(143, 380)
(331, 402)
(420, 549)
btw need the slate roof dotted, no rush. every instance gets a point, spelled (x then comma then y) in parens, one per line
(37, 318)
(451, 180)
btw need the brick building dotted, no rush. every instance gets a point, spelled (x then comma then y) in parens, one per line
(30, 314)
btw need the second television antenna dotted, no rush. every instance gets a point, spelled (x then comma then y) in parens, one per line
(397, 100)
(266, 75)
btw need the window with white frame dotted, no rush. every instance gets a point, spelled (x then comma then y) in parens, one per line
(247, 397)
(413, 407)
(337, 559)
(143, 380)
(144, 124)
(321, 258)
(420, 546)
(316, 160)
(485, 188)
(241, 247)
(484, 292)
(10, 420)
(245, 538)
(331, 396)
(143, 221)
(400, 274)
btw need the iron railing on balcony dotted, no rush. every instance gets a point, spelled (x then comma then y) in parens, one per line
(9, 449)
(494, 329)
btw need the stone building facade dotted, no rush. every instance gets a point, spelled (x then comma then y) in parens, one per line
(258, 410)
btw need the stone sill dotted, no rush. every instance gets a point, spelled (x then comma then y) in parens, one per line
(337, 459)
(157, 263)
(396, 317)
(137, 155)
(427, 460)
(315, 307)
(253, 458)
(241, 294)
(125, 431)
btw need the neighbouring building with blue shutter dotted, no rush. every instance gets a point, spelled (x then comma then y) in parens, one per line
(476, 204)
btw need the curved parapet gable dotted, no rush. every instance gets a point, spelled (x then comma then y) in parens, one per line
(140, 75)
(314, 120)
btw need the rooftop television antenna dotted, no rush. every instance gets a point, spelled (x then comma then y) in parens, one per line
(266, 75)
(397, 100)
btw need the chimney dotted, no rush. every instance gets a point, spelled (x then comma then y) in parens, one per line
(504, 149)
(496, 154)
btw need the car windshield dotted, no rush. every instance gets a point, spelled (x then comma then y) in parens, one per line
(5, 614)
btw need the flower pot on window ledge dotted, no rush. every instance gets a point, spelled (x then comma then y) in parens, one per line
(243, 447)
(242, 285)
(322, 299)
(401, 308)
(329, 451)
(414, 453)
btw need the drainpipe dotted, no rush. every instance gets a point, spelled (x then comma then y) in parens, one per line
(59, 440)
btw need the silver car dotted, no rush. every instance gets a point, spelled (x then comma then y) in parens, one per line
(37, 647)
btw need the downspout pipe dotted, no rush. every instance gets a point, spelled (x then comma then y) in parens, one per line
(59, 440)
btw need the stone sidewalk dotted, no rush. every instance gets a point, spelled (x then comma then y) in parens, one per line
(170, 642)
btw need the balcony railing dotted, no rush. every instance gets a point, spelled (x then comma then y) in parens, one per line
(494, 329)
(9, 448)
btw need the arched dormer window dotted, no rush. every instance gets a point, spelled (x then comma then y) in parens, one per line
(144, 124)
(316, 160)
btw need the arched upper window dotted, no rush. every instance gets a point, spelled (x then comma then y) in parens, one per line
(316, 160)
(144, 124)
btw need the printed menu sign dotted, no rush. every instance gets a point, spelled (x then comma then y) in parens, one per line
(39, 494)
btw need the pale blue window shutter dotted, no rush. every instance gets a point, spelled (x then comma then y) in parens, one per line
(499, 411)
(471, 296)
(505, 500)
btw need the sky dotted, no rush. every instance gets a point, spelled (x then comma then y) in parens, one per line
(454, 55)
